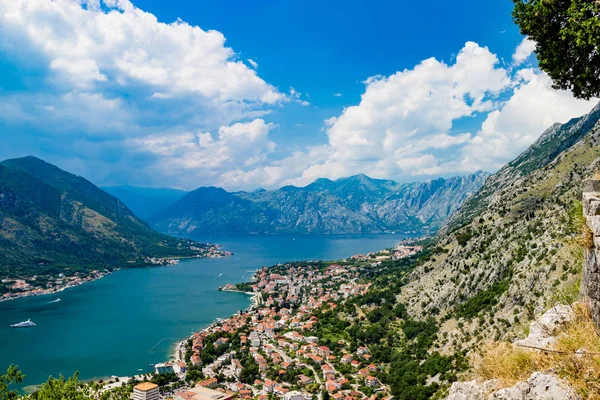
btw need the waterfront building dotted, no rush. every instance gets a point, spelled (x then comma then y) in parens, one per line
(146, 391)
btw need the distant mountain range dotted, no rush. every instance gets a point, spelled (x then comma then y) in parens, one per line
(51, 220)
(143, 201)
(357, 204)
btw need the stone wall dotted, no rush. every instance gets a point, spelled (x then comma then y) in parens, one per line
(590, 282)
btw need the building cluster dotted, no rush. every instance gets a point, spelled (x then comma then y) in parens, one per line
(278, 334)
(403, 251)
(37, 286)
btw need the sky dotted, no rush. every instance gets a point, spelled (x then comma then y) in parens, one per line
(265, 93)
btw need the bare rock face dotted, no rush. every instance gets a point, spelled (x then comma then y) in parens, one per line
(542, 330)
(540, 386)
(471, 390)
(590, 282)
(544, 386)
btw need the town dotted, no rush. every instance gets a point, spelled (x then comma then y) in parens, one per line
(281, 346)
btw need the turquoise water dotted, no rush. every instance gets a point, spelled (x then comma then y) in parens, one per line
(132, 318)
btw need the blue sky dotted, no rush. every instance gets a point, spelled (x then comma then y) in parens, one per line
(265, 93)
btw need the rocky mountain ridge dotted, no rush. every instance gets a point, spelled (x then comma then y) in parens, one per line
(514, 248)
(357, 204)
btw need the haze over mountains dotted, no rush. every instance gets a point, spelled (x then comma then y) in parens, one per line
(145, 201)
(357, 204)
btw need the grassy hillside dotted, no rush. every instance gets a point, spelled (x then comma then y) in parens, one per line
(52, 221)
(515, 247)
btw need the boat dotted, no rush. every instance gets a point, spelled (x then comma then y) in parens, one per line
(24, 324)
(54, 301)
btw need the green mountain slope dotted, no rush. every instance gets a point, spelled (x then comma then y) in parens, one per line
(51, 220)
(356, 204)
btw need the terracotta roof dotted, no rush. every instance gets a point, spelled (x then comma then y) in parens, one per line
(146, 386)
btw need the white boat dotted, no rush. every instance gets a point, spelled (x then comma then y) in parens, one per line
(24, 324)
(54, 301)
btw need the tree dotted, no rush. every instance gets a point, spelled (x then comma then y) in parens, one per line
(12, 376)
(567, 33)
(63, 389)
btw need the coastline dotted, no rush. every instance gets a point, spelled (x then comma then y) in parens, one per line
(180, 345)
(62, 289)
(170, 262)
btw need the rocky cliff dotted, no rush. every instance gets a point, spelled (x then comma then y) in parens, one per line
(515, 247)
(590, 282)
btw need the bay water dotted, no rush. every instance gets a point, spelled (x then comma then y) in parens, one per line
(132, 318)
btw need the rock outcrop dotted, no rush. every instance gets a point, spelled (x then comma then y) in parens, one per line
(590, 282)
(540, 386)
(542, 330)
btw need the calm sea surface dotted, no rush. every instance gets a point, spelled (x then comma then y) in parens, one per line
(132, 318)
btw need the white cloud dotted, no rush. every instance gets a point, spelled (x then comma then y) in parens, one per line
(123, 86)
(523, 51)
(239, 145)
(533, 107)
(404, 126)
(124, 49)
(296, 97)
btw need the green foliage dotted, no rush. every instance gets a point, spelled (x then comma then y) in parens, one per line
(464, 236)
(244, 287)
(11, 377)
(483, 300)
(62, 389)
(250, 371)
(55, 222)
(567, 33)
(164, 379)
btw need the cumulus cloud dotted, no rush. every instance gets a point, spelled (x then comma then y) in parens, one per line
(404, 127)
(533, 107)
(239, 145)
(129, 46)
(523, 51)
(111, 91)
(106, 72)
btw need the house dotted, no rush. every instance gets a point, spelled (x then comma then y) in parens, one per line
(305, 380)
(373, 382)
(269, 386)
(346, 359)
(209, 383)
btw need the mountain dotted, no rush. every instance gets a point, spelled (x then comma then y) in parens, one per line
(51, 220)
(144, 201)
(357, 204)
(515, 248)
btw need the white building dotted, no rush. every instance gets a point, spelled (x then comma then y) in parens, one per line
(254, 339)
(146, 391)
(296, 395)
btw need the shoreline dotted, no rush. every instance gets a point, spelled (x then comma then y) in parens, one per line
(180, 345)
(175, 262)
(62, 289)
